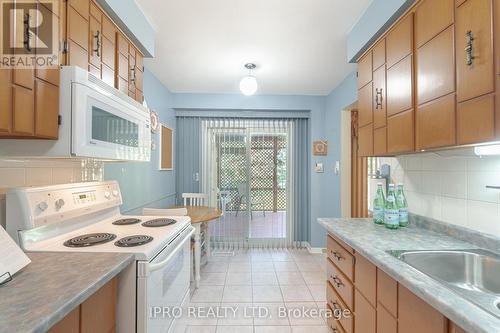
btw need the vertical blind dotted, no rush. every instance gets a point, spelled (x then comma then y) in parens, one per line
(227, 157)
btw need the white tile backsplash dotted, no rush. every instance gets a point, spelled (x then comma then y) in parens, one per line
(451, 189)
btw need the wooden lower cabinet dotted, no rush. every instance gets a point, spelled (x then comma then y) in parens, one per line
(366, 278)
(453, 328)
(335, 302)
(365, 315)
(387, 292)
(400, 138)
(95, 315)
(386, 323)
(416, 316)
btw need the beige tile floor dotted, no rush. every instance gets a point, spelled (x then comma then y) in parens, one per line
(270, 279)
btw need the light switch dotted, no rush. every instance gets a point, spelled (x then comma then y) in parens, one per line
(337, 167)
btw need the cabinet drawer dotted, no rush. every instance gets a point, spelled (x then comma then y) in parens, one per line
(387, 292)
(341, 284)
(333, 324)
(379, 98)
(366, 278)
(336, 303)
(435, 67)
(365, 315)
(435, 123)
(432, 17)
(477, 78)
(400, 87)
(400, 133)
(365, 141)
(365, 105)
(341, 257)
(365, 69)
(378, 54)
(475, 120)
(380, 141)
(399, 41)
(385, 322)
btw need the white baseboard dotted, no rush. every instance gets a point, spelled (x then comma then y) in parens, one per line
(315, 250)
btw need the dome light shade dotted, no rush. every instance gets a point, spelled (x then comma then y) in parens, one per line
(248, 85)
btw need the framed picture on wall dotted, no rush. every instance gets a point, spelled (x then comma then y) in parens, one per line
(166, 145)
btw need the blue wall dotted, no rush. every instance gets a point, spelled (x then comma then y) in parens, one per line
(142, 184)
(377, 17)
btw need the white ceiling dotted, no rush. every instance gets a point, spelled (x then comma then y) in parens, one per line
(299, 46)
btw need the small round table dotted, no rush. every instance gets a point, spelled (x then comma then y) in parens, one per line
(201, 215)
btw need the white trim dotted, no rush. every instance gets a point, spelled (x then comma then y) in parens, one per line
(345, 163)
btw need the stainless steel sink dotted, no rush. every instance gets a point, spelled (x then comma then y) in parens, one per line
(475, 274)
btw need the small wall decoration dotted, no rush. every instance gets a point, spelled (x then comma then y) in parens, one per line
(320, 148)
(166, 143)
(155, 121)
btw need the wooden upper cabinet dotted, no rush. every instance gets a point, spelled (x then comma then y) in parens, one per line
(435, 67)
(474, 49)
(365, 70)
(379, 98)
(5, 101)
(108, 29)
(80, 6)
(416, 316)
(47, 74)
(400, 86)
(400, 133)
(365, 141)
(380, 141)
(108, 53)
(476, 120)
(46, 110)
(365, 315)
(23, 111)
(95, 45)
(399, 41)
(432, 17)
(365, 105)
(436, 123)
(378, 54)
(78, 28)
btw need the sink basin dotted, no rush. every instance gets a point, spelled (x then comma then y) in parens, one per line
(475, 274)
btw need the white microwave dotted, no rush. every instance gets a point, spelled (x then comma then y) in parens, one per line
(96, 121)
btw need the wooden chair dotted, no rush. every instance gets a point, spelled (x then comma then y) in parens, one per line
(195, 199)
(164, 212)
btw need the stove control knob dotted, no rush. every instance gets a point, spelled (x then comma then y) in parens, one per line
(115, 193)
(59, 204)
(43, 206)
(107, 195)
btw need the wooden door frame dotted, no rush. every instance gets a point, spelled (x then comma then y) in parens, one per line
(359, 173)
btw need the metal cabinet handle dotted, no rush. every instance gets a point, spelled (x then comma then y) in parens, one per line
(133, 76)
(336, 255)
(469, 48)
(378, 101)
(337, 281)
(335, 305)
(97, 37)
(27, 35)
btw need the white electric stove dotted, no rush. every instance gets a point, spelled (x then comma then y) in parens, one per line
(85, 217)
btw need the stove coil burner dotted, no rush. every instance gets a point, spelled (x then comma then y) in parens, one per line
(135, 240)
(126, 221)
(158, 223)
(89, 240)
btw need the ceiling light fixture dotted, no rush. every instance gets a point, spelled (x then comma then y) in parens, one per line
(248, 84)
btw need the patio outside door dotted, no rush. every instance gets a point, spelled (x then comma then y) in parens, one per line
(245, 172)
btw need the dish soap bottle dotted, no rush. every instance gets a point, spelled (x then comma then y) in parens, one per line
(379, 205)
(391, 211)
(402, 206)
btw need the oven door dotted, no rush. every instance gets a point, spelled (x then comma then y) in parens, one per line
(163, 284)
(107, 126)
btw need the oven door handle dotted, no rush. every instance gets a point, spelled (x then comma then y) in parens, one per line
(163, 263)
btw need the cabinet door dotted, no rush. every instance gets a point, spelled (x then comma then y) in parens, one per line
(108, 29)
(139, 97)
(46, 110)
(475, 76)
(380, 141)
(47, 74)
(77, 55)
(122, 85)
(78, 28)
(387, 292)
(399, 41)
(23, 111)
(365, 316)
(379, 97)
(139, 79)
(365, 105)
(365, 70)
(476, 120)
(365, 141)
(366, 278)
(378, 54)
(108, 53)
(69, 324)
(5, 100)
(80, 6)
(98, 311)
(400, 132)
(139, 61)
(453, 328)
(432, 17)
(122, 45)
(123, 70)
(435, 123)
(95, 38)
(400, 87)
(108, 75)
(385, 322)
(416, 316)
(435, 67)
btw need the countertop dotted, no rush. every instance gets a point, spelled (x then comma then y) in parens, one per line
(52, 285)
(372, 241)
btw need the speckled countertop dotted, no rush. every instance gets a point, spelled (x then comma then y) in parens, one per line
(372, 241)
(53, 285)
